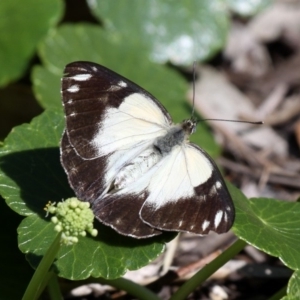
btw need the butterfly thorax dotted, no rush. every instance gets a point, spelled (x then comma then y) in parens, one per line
(176, 135)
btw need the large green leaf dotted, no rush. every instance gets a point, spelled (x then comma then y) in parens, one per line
(176, 31)
(30, 173)
(270, 225)
(30, 176)
(46, 85)
(22, 26)
(293, 290)
(13, 265)
(90, 42)
(109, 255)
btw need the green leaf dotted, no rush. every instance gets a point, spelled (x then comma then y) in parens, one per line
(31, 173)
(22, 26)
(91, 43)
(270, 225)
(13, 265)
(293, 290)
(30, 176)
(47, 87)
(247, 8)
(164, 83)
(176, 31)
(109, 255)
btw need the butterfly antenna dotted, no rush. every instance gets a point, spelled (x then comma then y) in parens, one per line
(221, 120)
(234, 121)
(194, 88)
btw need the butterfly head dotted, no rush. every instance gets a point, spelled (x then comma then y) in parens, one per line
(189, 125)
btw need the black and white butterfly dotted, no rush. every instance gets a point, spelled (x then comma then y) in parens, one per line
(123, 154)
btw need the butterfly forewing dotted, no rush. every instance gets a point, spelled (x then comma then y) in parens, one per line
(112, 158)
(92, 96)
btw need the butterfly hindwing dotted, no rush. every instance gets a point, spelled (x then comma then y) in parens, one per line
(205, 203)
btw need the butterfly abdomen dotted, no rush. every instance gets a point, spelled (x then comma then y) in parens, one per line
(136, 168)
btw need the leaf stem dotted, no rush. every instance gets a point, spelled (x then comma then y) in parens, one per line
(208, 270)
(54, 288)
(132, 288)
(41, 275)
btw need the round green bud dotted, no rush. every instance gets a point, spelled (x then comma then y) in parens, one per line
(73, 217)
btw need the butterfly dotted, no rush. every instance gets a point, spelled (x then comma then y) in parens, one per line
(123, 154)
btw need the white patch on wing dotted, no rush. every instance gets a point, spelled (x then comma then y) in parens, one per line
(225, 217)
(218, 218)
(128, 130)
(122, 83)
(205, 225)
(73, 88)
(115, 88)
(218, 185)
(212, 191)
(199, 167)
(137, 119)
(170, 180)
(81, 77)
(177, 174)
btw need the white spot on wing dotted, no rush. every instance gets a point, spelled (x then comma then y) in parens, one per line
(218, 218)
(212, 190)
(115, 88)
(218, 184)
(70, 101)
(205, 225)
(180, 223)
(122, 83)
(73, 88)
(82, 77)
(225, 217)
(268, 271)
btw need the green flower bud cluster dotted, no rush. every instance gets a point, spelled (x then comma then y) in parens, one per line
(74, 218)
